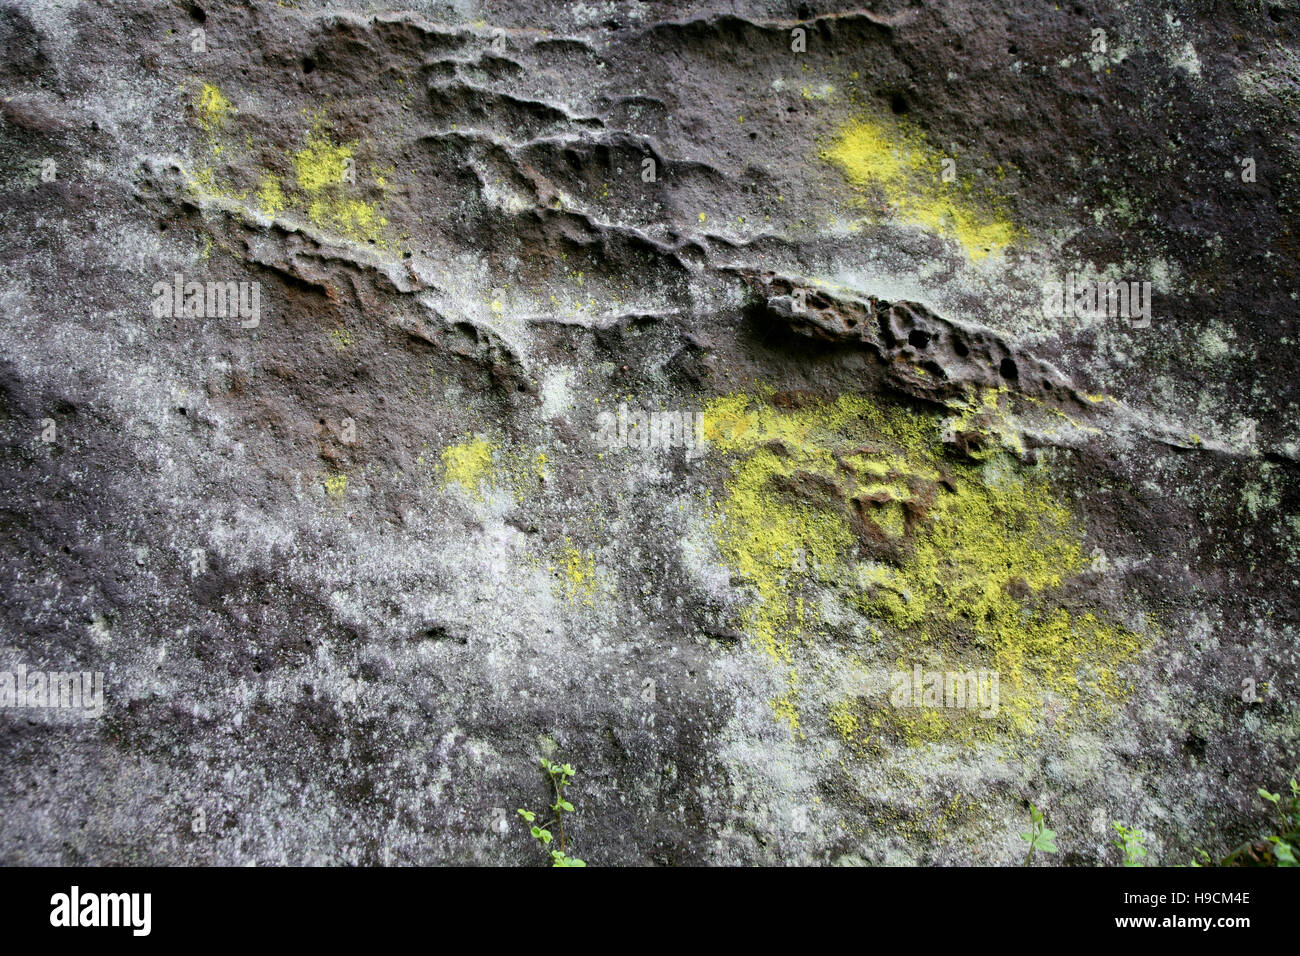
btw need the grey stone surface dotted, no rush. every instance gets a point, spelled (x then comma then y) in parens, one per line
(326, 649)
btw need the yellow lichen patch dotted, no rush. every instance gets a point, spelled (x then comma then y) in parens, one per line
(480, 464)
(325, 172)
(322, 165)
(845, 721)
(575, 575)
(205, 182)
(271, 199)
(323, 185)
(987, 416)
(954, 561)
(784, 707)
(336, 485)
(469, 465)
(213, 111)
(213, 108)
(896, 164)
(348, 217)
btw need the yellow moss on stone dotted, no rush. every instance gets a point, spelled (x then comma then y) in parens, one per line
(320, 165)
(898, 164)
(575, 574)
(469, 465)
(213, 108)
(479, 464)
(321, 185)
(271, 199)
(321, 168)
(958, 561)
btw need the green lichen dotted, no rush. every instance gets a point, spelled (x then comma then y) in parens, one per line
(271, 199)
(321, 169)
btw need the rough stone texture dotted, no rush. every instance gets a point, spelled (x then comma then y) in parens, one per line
(364, 669)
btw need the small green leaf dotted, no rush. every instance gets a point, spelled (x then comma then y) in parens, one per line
(1045, 840)
(1284, 852)
(528, 815)
(565, 805)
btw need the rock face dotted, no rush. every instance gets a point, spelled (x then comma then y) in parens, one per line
(722, 398)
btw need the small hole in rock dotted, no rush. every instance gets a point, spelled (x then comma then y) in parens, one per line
(918, 338)
(1008, 369)
(960, 348)
(308, 64)
(898, 104)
